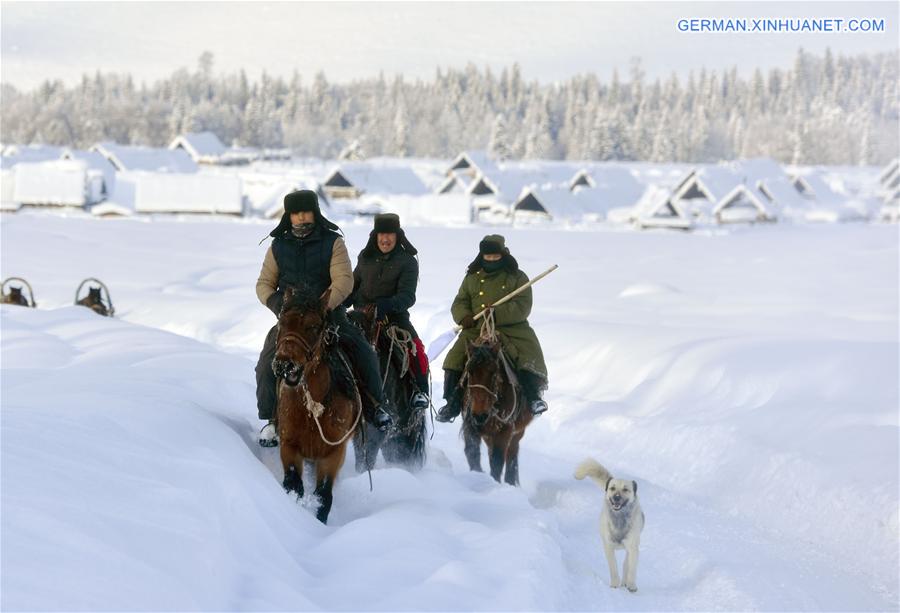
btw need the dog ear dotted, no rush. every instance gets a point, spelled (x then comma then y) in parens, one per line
(634, 484)
(606, 487)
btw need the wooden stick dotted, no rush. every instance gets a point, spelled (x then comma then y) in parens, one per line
(514, 293)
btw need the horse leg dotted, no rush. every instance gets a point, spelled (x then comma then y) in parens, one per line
(359, 451)
(512, 459)
(292, 463)
(472, 442)
(326, 472)
(498, 447)
(366, 452)
(495, 457)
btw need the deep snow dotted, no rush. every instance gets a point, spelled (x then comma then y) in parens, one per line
(746, 378)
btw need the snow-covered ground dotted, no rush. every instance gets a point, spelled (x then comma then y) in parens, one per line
(747, 378)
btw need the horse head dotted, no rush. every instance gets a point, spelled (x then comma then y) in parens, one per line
(364, 318)
(483, 378)
(301, 326)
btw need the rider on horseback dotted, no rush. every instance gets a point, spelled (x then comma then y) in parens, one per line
(308, 251)
(385, 278)
(491, 276)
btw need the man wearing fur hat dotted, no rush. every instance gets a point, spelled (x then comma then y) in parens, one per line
(385, 278)
(307, 250)
(491, 276)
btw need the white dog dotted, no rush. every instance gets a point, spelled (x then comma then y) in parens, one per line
(621, 521)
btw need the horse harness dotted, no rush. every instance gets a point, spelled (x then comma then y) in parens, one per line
(328, 336)
(497, 383)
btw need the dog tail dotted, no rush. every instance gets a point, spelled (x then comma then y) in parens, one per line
(591, 468)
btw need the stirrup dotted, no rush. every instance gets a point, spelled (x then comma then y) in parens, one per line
(268, 435)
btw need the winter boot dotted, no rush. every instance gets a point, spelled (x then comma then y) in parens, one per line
(453, 408)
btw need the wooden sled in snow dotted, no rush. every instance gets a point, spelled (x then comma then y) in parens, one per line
(94, 299)
(15, 295)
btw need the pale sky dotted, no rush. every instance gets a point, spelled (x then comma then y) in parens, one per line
(349, 40)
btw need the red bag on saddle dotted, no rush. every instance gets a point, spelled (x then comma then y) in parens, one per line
(419, 358)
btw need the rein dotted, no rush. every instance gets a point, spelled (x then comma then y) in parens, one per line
(314, 355)
(489, 334)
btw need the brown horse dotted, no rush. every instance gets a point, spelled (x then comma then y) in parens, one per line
(318, 407)
(405, 443)
(494, 410)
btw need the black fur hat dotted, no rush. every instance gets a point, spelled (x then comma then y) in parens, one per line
(386, 223)
(371, 249)
(300, 201)
(304, 200)
(491, 244)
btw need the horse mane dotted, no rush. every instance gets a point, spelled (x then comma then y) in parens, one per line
(481, 354)
(303, 299)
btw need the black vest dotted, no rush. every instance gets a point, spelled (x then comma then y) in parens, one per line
(305, 261)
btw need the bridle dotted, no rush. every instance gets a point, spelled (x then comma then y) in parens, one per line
(313, 351)
(496, 382)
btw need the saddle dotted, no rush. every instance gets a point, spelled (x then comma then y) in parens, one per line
(407, 353)
(342, 377)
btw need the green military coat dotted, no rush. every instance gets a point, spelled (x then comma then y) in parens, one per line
(519, 341)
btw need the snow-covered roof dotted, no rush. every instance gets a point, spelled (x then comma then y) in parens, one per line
(96, 161)
(17, 154)
(453, 209)
(272, 205)
(655, 209)
(201, 146)
(559, 202)
(152, 159)
(781, 192)
(710, 182)
(892, 180)
(581, 178)
(749, 171)
(555, 203)
(56, 183)
(453, 184)
(157, 192)
(473, 161)
(373, 178)
(892, 168)
(614, 186)
(743, 196)
(813, 185)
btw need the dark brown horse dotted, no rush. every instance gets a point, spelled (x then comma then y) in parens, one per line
(318, 407)
(404, 444)
(494, 410)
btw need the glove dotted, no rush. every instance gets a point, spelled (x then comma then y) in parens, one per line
(468, 322)
(275, 302)
(383, 308)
